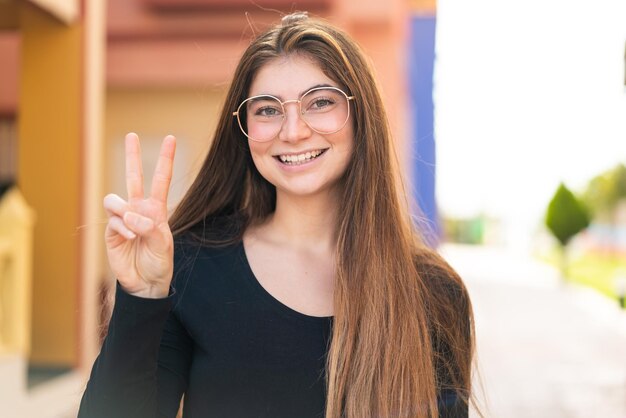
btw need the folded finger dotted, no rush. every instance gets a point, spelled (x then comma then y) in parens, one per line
(163, 171)
(117, 225)
(115, 205)
(137, 223)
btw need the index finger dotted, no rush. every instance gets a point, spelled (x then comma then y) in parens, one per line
(134, 170)
(163, 170)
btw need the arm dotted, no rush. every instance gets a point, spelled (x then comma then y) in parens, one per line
(452, 333)
(450, 397)
(142, 358)
(451, 406)
(142, 369)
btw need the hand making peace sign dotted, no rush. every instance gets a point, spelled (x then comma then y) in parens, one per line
(138, 237)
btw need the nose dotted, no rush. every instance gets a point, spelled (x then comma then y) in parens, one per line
(293, 128)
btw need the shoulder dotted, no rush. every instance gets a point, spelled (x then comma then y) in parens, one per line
(216, 231)
(201, 259)
(450, 320)
(442, 283)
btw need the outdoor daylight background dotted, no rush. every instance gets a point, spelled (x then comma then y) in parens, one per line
(527, 95)
(510, 126)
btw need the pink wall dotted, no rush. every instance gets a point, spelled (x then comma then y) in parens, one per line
(197, 43)
(9, 69)
(182, 43)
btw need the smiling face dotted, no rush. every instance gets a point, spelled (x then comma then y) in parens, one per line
(299, 160)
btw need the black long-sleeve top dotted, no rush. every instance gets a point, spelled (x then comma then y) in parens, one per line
(220, 339)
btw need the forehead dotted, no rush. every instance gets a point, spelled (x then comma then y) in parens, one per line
(288, 77)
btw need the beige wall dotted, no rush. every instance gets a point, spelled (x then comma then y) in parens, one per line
(188, 113)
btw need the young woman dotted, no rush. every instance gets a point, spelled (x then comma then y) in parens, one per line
(290, 281)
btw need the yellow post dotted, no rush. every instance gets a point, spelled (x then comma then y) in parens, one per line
(48, 175)
(16, 243)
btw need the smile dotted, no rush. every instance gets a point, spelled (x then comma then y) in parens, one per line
(297, 159)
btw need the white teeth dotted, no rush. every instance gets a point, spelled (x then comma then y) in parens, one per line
(300, 158)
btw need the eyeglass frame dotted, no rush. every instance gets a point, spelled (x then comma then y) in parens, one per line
(284, 115)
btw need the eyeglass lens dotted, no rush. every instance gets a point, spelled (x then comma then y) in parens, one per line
(324, 110)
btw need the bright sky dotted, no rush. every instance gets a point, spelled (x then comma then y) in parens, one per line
(527, 94)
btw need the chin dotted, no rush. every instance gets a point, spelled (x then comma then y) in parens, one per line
(307, 190)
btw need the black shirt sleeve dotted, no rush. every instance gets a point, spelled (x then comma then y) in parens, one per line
(142, 369)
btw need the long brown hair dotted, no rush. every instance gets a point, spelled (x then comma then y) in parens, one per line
(403, 327)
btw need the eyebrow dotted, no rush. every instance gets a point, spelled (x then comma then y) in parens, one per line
(299, 94)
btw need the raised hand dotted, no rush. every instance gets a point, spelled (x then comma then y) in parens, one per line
(138, 238)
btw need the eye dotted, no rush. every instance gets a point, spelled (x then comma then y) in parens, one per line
(264, 107)
(321, 103)
(267, 111)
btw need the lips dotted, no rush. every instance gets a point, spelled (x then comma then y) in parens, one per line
(301, 158)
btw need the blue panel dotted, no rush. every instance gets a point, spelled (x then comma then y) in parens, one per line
(421, 62)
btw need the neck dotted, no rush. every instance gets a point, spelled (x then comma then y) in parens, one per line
(305, 221)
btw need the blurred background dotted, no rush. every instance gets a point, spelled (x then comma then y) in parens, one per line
(510, 126)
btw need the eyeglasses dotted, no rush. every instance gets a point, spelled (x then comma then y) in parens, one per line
(324, 109)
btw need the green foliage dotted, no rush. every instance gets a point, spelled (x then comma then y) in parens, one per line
(606, 190)
(465, 231)
(593, 269)
(566, 215)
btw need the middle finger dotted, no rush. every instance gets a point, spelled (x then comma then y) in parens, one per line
(163, 171)
(134, 170)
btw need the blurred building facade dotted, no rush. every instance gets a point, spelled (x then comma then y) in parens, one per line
(76, 76)
(50, 92)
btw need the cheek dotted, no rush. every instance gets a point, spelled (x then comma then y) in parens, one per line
(258, 151)
(348, 141)
(256, 148)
